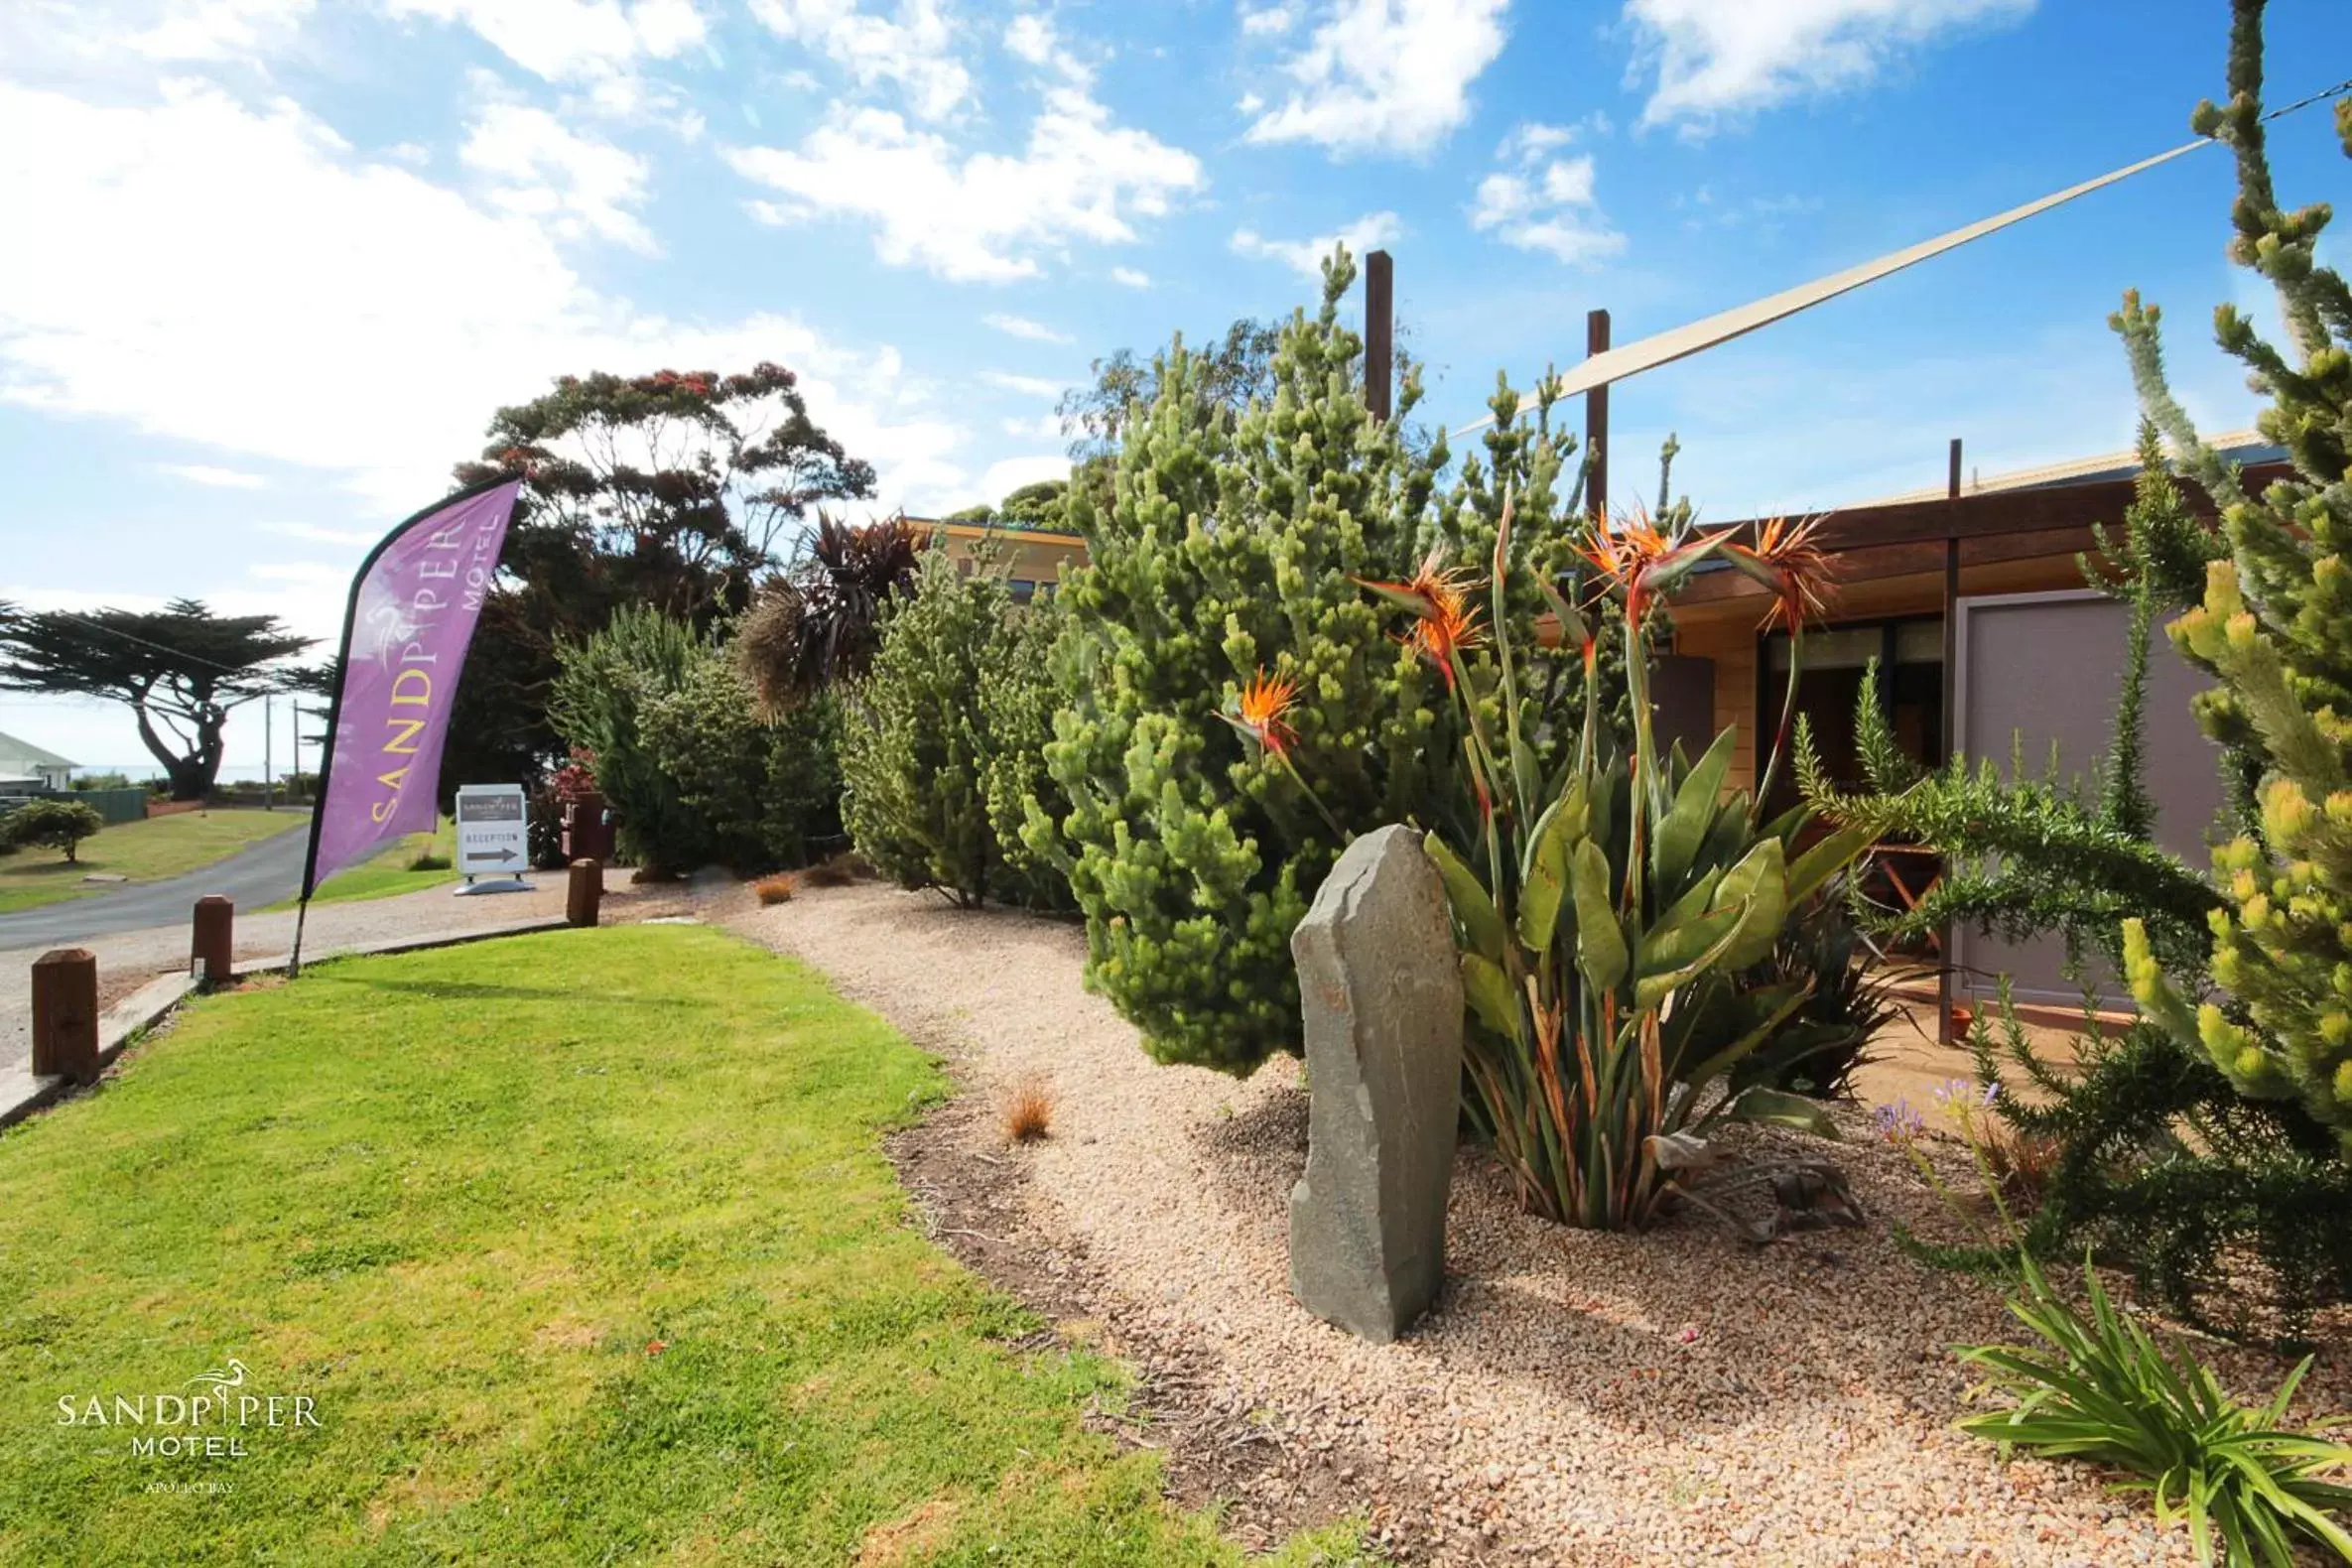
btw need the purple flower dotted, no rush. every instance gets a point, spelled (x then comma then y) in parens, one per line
(1899, 1123)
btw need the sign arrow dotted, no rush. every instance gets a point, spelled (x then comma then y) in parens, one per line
(504, 853)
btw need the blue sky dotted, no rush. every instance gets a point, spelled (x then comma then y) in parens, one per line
(273, 262)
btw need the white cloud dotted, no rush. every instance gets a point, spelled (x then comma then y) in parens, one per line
(576, 186)
(217, 30)
(1130, 278)
(1031, 37)
(1035, 386)
(1533, 138)
(572, 40)
(1711, 59)
(352, 318)
(1271, 21)
(312, 533)
(213, 478)
(978, 218)
(321, 578)
(126, 39)
(1022, 327)
(1009, 475)
(1369, 232)
(1542, 203)
(1386, 75)
(1045, 425)
(914, 51)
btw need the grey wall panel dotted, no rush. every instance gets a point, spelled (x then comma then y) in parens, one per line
(2048, 667)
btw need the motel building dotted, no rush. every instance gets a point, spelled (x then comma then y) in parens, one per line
(1032, 558)
(1984, 576)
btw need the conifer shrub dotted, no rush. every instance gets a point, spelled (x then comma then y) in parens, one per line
(681, 753)
(1231, 542)
(602, 687)
(951, 716)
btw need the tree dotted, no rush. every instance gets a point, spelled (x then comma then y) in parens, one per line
(51, 824)
(764, 794)
(819, 620)
(1232, 541)
(671, 491)
(181, 670)
(1231, 373)
(604, 685)
(943, 743)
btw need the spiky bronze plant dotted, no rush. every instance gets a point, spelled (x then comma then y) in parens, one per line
(819, 620)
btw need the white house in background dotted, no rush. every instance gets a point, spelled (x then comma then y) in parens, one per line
(25, 768)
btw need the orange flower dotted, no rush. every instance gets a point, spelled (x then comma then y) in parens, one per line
(1263, 710)
(1448, 630)
(1795, 569)
(1445, 623)
(1632, 553)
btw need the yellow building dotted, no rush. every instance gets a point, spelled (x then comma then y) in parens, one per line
(1031, 559)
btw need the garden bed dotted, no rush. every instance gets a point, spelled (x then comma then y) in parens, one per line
(1575, 1396)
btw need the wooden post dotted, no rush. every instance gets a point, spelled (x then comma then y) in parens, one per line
(208, 958)
(585, 893)
(1380, 334)
(1951, 726)
(66, 1014)
(1596, 421)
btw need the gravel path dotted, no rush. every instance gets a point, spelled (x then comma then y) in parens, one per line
(127, 960)
(1576, 1397)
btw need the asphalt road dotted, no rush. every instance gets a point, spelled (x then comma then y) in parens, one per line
(266, 873)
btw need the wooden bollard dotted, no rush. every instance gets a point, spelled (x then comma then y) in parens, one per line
(215, 923)
(586, 892)
(66, 1014)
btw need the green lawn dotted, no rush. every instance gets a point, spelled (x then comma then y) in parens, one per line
(144, 851)
(387, 874)
(583, 1248)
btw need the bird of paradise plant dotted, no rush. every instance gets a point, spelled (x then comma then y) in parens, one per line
(1796, 572)
(1616, 905)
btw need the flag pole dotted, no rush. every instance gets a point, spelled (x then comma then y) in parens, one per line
(334, 703)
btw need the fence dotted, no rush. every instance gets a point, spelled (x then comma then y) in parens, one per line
(115, 805)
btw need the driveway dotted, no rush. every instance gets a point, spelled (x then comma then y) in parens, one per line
(265, 874)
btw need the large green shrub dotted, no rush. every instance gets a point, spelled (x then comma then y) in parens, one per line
(1232, 542)
(944, 734)
(50, 824)
(602, 688)
(765, 793)
(681, 752)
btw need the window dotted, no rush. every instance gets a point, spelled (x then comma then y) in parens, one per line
(1023, 589)
(1911, 656)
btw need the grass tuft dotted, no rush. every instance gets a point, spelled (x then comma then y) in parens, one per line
(776, 888)
(840, 870)
(1029, 1112)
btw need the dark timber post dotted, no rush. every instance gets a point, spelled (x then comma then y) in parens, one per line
(208, 956)
(1596, 421)
(1951, 724)
(66, 1014)
(1380, 334)
(586, 892)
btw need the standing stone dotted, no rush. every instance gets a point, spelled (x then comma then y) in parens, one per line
(1381, 989)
